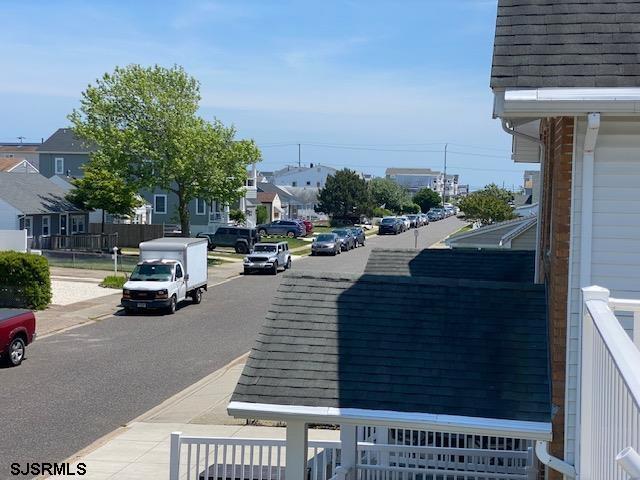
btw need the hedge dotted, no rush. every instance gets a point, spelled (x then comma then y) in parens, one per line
(24, 280)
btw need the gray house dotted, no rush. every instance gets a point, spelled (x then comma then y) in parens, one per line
(38, 205)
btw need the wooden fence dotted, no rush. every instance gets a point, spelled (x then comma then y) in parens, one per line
(129, 235)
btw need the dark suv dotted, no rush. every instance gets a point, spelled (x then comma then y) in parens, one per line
(290, 228)
(240, 238)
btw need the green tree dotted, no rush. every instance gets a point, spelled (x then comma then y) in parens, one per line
(262, 215)
(410, 208)
(103, 189)
(489, 205)
(385, 191)
(427, 199)
(345, 196)
(144, 122)
(237, 216)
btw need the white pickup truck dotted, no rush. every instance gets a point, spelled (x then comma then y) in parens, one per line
(169, 271)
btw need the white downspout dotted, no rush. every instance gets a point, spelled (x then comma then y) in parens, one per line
(586, 218)
(553, 462)
(514, 133)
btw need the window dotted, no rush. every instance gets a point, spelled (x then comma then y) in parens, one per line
(318, 184)
(308, 182)
(294, 184)
(77, 224)
(59, 165)
(178, 271)
(46, 226)
(201, 207)
(27, 224)
(160, 204)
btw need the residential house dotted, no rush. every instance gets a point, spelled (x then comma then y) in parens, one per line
(63, 154)
(566, 86)
(415, 179)
(288, 202)
(518, 234)
(311, 176)
(306, 199)
(24, 151)
(271, 200)
(16, 165)
(37, 205)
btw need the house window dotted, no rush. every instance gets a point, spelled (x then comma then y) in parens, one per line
(160, 204)
(318, 184)
(308, 182)
(294, 184)
(27, 224)
(77, 224)
(59, 165)
(46, 226)
(201, 206)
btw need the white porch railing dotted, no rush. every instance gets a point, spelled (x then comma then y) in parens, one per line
(609, 389)
(208, 458)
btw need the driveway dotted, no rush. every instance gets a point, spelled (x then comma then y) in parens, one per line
(81, 384)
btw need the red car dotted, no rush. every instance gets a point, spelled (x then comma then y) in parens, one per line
(308, 225)
(17, 330)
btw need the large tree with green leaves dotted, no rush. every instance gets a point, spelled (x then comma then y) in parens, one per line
(345, 196)
(385, 191)
(102, 188)
(489, 205)
(427, 199)
(144, 122)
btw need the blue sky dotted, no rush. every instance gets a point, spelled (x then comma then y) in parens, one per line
(365, 84)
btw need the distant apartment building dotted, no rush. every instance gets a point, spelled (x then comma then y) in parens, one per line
(415, 179)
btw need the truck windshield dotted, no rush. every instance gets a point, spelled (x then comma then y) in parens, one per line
(151, 273)
(264, 248)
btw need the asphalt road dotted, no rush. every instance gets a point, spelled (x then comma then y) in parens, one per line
(79, 385)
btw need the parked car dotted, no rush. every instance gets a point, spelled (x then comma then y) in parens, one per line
(450, 211)
(439, 212)
(346, 238)
(406, 221)
(328, 243)
(170, 271)
(433, 216)
(290, 228)
(268, 257)
(17, 330)
(414, 220)
(425, 218)
(241, 239)
(358, 234)
(308, 226)
(390, 225)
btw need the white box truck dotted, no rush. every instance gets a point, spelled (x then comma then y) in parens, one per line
(169, 271)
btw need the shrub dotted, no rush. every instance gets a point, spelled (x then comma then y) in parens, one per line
(381, 212)
(237, 216)
(114, 281)
(24, 280)
(410, 208)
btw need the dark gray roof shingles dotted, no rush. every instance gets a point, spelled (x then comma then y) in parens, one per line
(495, 265)
(33, 194)
(64, 140)
(403, 344)
(566, 43)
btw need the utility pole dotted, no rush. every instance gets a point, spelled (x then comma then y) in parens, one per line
(444, 184)
(299, 162)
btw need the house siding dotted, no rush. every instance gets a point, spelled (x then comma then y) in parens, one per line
(8, 216)
(171, 217)
(72, 163)
(555, 215)
(615, 252)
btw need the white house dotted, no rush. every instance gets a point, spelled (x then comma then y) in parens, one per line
(414, 179)
(311, 176)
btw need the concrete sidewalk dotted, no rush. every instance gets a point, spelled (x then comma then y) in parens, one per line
(57, 318)
(140, 449)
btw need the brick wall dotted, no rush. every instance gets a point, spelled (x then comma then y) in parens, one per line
(557, 133)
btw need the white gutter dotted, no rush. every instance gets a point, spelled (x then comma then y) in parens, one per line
(541, 146)
(550, 102)
(586, 218)
(425, 421)
(554, 462)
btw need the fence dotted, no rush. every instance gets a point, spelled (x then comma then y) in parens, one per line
(90, 261)
(129, 235)
(78, 242)
(609, 391)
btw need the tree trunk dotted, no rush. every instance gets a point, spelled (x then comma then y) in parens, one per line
(183, 212)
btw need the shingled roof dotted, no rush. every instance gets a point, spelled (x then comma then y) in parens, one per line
(64, 140)
(566, 43)
(496, 265)
(402, 344)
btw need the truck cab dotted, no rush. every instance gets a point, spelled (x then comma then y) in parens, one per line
(169, 271)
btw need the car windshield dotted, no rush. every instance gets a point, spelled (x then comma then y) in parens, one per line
(264, 248)
(151, 273)
(341, 233)
(388, 221)
(411, 216)
(325, 238)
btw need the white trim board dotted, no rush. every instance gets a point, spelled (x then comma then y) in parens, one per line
(427, 421)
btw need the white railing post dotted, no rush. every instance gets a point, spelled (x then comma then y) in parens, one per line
(174, 459)
(636, 328)
(349, 449)
(296, 449)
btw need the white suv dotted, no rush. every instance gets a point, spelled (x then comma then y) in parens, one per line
(268, 256)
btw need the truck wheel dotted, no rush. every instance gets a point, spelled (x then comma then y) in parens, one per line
(171, 309)
(291, 234)
(241, 248)
(15, 353)
(196, 296)
(274, 270)
(262, 232)
(288, 265)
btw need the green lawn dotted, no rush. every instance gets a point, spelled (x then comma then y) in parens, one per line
(293, 242)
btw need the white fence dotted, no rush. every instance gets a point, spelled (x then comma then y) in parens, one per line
(208, 458)
(609, 390)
